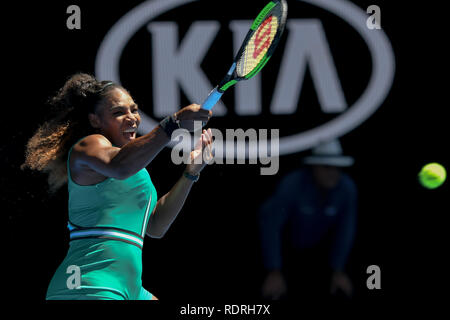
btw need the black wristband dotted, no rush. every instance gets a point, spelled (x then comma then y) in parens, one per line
(170, 124)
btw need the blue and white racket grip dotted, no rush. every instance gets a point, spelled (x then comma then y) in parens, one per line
(212, 99)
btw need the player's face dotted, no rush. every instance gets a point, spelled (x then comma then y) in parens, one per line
(119, 117)
(326, 177)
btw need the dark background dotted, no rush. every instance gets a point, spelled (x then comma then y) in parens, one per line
(211, 253)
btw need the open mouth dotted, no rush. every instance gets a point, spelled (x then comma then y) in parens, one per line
(130, 133)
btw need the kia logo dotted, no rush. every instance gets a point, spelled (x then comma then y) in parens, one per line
(177, 64)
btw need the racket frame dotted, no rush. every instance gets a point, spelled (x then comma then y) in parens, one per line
(232, 77)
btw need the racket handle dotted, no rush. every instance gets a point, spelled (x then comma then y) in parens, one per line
(212, 99)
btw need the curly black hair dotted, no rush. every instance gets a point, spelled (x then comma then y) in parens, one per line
(47, 149)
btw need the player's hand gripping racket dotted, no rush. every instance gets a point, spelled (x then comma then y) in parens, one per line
(257, 48)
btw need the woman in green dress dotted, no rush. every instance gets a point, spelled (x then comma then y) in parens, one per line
(91, 144)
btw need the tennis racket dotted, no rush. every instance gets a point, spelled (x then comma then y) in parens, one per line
(256, 50)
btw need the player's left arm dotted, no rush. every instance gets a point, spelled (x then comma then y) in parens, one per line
(168, 206)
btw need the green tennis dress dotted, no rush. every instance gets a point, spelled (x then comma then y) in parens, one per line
(107, 224)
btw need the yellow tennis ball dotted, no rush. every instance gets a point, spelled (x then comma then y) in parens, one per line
(432, 175)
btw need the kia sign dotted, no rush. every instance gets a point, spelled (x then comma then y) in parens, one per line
(176, 64)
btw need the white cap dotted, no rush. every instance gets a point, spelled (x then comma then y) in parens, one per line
(330, 154)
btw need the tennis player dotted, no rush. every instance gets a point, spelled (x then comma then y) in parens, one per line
(91, 143)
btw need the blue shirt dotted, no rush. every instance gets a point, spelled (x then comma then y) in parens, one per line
(309, 216)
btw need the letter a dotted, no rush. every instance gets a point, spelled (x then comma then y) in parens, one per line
(74, 281)
(374, 281)
(73, 21)
(374, 21)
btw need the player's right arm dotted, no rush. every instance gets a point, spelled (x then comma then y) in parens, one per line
(95, 156)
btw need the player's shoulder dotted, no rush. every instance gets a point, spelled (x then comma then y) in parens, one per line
(93, 140)
(90, 146)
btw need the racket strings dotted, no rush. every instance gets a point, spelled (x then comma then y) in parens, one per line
(257, 46)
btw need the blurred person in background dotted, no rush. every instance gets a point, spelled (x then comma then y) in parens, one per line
(307, 229)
